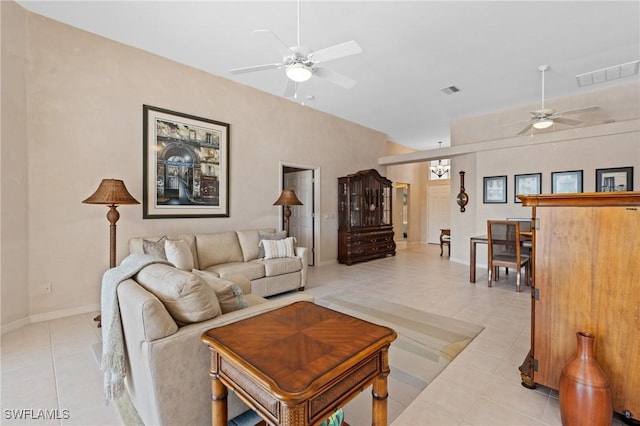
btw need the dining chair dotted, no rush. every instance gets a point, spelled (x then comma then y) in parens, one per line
(505, 250)
(445, 240)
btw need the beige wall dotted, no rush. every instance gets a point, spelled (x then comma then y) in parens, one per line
(13, 165)
(84, 96)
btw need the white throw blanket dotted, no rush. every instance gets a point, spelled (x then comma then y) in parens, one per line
(113, 351)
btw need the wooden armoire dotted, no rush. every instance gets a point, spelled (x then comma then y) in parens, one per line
(586, 277)
(365, 231)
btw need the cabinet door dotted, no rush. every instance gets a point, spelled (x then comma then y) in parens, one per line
(588, 279)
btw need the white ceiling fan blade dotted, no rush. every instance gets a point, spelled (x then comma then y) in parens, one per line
(272, 39)
(526, 129)
(338, 51)
(567, 121)
(579, 110)
(290, 88)
(255, 68)
(335, 78)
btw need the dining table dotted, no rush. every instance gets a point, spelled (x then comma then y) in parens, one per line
(484, 239)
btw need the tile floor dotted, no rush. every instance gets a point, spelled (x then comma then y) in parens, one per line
(50, 365)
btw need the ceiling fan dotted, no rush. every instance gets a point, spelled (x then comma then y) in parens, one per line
(546, 117)
(301, 63)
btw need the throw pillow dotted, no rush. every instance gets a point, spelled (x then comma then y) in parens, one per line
(155, 248)
(179, 254)
(263, 235)
(229, 294)
(274, 249)
(184, 295)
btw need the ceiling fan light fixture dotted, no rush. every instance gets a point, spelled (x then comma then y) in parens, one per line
(543, 124)
(299, 72)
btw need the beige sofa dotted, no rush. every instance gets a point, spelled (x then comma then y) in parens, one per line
(167, 364)
(237, 253)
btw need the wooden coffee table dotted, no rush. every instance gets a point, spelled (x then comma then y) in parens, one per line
(297, 364)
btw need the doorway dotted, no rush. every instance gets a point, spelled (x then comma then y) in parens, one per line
(401, 212)
(438, 211)
(302, 223)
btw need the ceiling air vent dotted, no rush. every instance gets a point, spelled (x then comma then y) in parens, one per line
(450, 90)
(607, 74)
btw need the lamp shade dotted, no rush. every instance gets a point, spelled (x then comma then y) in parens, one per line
(543, 124)
(111, 191)
(287, 198)
(299, 72)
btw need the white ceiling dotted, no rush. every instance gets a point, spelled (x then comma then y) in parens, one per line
(411, 50)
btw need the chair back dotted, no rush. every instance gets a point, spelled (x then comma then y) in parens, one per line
(504, 239)
(525, 224)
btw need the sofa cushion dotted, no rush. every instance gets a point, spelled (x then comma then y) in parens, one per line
(274, 249)
(281, 266)
(252, 270)
(249, 244)
(217, 248)
(184, 295)
(243, 282)
(228, 293)
(264, 235)
(179, 254)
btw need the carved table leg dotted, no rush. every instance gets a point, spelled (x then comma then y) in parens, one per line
(218, 402)
(380, 393)
(526, 372)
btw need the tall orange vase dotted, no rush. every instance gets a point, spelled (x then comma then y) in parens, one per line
(585, 394)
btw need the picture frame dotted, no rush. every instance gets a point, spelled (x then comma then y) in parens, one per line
(614, 179)
(495, 189)
(185, 165)
(526, 184)
(568, 182)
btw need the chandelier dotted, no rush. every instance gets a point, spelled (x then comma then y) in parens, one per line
(441, 169)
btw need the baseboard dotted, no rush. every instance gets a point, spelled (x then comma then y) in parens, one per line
(14, 325)
(48, 316)
(78, 310)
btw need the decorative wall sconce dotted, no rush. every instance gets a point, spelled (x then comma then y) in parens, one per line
(462, 197)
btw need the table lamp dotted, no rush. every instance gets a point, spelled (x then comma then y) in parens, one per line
(287, 198)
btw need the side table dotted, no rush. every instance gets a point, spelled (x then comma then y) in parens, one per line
(297, 364)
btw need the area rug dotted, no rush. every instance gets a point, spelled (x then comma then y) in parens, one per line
(426, 342)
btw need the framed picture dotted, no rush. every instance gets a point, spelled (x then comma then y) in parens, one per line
(495, 189)
(185, 165)
(526, 184)
(566, 182)
(613, 180)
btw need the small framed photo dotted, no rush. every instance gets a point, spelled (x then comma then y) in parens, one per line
(495, 189)
(526, 184)
(614, 180)
(566, 182)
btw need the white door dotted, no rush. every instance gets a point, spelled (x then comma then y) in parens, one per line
(301, 221)
(438, 208)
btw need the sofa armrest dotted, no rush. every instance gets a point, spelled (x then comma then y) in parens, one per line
(303, 254)
(144, 317)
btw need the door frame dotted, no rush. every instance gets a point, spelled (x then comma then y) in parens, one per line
(315, 250)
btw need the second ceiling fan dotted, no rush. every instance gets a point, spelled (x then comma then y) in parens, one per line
(301, 63)
(546, 117)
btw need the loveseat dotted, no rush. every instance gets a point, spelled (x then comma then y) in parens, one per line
(162, 310)
(234, 253)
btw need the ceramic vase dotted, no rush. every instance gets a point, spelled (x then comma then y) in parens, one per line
(585, 394)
